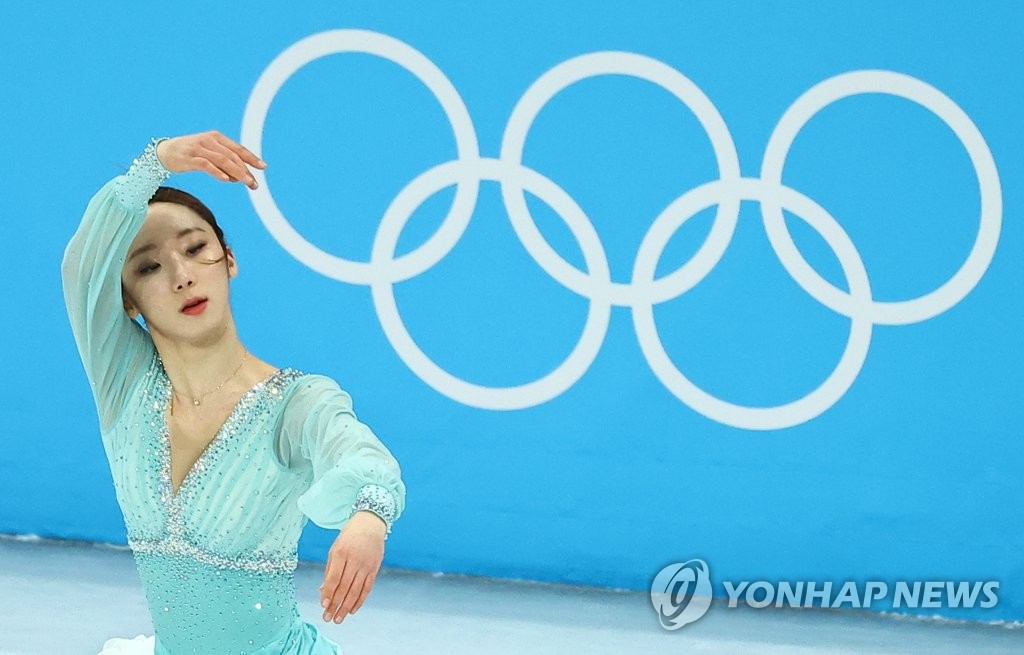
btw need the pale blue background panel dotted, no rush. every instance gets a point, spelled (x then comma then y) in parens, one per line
(655, 443)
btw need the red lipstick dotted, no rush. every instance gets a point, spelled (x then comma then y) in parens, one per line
(194, 306)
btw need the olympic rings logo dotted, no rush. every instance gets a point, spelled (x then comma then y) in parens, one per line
(645, 290)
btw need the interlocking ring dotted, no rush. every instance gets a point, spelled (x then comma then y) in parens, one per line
(644, 290)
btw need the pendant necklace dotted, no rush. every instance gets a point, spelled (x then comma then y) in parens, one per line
(197, 400)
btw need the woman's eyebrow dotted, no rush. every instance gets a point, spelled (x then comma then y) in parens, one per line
(151, 246)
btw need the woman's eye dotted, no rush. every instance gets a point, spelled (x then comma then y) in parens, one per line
(149, 268)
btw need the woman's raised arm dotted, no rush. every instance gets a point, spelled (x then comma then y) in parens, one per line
(115, 349)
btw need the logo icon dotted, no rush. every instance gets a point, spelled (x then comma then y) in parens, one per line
(681, 593)
(646, 290)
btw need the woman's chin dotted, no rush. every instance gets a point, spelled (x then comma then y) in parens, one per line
(196, 330)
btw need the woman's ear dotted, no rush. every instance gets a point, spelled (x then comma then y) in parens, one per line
(232, 264)
(129, 308)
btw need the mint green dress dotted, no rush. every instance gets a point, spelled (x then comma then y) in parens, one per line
(217, 558)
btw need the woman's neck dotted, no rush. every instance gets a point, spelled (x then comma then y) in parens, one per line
(196, 369)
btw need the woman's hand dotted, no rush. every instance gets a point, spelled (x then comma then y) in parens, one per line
(352, 565)
(211, 152)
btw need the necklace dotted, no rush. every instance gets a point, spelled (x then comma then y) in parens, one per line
(197, 400)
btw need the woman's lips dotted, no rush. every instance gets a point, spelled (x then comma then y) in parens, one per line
(195, 309)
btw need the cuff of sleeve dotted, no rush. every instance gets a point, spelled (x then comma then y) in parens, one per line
(332, 500)
(377, 499)
(147, 172)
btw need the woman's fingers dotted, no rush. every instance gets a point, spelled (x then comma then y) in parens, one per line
(367, 586)
(331, 579)
(213, 153)
(240, 151)
(340, 603)
(345, 591)
(334, 586)
(205, 165)
(348, 598)
(352, 565)
(230, 163)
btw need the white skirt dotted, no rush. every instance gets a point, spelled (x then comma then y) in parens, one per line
(140, 645)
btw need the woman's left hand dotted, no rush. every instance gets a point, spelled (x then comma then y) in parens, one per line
(352, 565)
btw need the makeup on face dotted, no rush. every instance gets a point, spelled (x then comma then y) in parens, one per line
(162, 272)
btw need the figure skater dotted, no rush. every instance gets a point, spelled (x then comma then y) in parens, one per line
(218, 457)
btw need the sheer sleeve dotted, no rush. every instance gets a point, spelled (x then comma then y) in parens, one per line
(114, 349)
(352, 469)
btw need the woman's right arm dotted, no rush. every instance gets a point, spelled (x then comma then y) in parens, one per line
(114, 349)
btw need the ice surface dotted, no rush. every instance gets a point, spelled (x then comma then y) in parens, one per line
(69, 597)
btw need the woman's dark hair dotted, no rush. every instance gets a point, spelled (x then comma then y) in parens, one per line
(186, 199)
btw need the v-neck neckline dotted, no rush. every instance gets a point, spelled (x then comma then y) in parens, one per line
(165, 430)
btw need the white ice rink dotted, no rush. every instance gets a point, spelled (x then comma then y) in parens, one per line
(67, 598)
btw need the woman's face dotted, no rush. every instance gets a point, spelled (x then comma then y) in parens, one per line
(168, 269)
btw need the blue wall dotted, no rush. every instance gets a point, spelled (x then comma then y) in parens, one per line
(799, 415)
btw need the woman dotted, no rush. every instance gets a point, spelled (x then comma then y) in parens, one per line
(218, 458)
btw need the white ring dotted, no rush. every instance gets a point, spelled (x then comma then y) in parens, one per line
(619, 63)
(644, 290)
(859, 82)
(339, 41)
(740, 416)
(596, 327)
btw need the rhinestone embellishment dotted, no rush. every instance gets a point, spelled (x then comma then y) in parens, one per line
(377, 499)
(176, 541)
(138, 185)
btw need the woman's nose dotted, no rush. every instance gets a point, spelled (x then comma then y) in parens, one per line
(183, 274)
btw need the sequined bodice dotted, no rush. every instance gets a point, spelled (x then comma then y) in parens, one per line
(224, 547)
